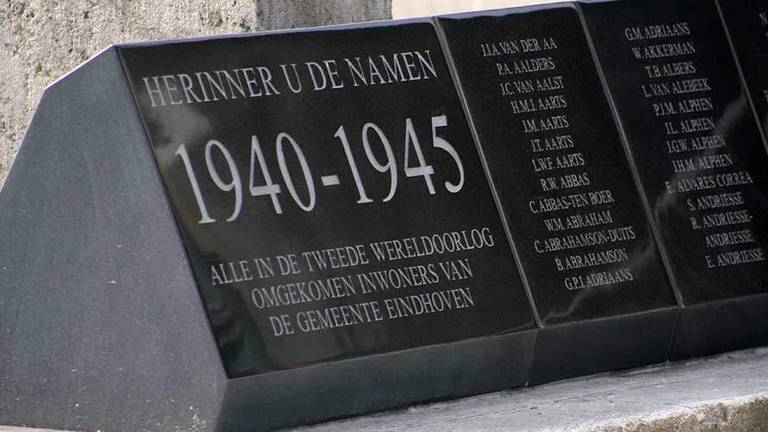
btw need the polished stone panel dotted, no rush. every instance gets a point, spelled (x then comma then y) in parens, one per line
(329, 192)
(747, 23)
(567, 191)
(700, 157)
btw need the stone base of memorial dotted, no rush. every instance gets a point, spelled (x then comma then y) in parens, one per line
(721, 326)
(103, 326)
(250, 232)
(615, 343)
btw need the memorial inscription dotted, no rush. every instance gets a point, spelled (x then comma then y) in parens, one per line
(696, 144)
(560, 170)
(558, 163)
(319, 232)
(747, 23)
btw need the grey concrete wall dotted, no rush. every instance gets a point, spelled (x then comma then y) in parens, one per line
(40, 40)
(415, 8)
(274, 14)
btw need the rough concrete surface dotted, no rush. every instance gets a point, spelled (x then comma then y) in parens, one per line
(41, 40)
(728, 393)
(304, 13)
(414, 8)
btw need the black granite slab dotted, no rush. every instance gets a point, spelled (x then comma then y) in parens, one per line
(347, 256)
(701, 161)
(133, 301)
(561, 173)
(747, 24)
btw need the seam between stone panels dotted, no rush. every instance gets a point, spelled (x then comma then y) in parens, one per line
(483, 161)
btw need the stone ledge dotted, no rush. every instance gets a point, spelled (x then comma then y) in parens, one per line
(723, 393)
